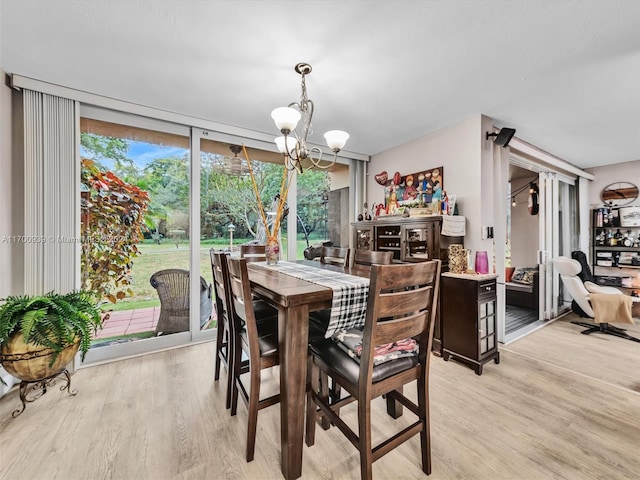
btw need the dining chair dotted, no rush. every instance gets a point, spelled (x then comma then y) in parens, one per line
(335, 256)
(319, 320)
(258, 340)
(223, 336)
(253, 253)
(402, 304)
(371, 257)
(257, 253)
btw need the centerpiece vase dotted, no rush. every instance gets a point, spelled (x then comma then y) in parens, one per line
(272, 250)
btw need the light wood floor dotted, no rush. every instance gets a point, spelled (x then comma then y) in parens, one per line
(161, 416)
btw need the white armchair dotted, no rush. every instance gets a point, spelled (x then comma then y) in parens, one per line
(569, 270)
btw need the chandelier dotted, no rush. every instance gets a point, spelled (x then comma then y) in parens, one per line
(293, 145)
(235, 165)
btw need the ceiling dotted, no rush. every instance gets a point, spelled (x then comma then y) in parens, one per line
(564, 74)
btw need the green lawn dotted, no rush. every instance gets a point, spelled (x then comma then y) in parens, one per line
(156, 257)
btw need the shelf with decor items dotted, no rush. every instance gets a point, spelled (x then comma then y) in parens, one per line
(615, 246)
(411, 240)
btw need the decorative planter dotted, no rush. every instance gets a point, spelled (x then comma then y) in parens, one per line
(32, 365)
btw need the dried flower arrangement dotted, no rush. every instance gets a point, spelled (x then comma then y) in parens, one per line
(272, 249)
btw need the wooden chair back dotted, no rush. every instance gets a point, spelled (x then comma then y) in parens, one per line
(253, 253)
(401, 304)
(335, 256)
(371, 257)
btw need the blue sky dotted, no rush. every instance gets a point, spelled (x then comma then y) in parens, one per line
(143, 153)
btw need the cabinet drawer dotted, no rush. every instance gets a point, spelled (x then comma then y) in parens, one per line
(486, 289)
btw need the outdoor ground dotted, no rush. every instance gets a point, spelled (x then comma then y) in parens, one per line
(156, 257)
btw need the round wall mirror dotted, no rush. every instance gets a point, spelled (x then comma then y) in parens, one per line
(619, 194)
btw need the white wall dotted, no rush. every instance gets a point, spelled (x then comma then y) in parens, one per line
(7, 206)
(8, 249)
(458, 150)
(608, 174)
(524, 234)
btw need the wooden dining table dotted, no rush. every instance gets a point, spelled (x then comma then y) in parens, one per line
(294, 298)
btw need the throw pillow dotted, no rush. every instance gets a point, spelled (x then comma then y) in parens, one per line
(350, 342)
(508, 273)
(524, 275)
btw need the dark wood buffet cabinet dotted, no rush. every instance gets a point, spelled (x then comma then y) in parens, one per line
(411, 239)
(469, 319)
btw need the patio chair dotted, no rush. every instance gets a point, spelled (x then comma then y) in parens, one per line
(172, 286)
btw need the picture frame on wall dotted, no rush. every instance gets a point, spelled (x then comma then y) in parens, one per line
(415, 189)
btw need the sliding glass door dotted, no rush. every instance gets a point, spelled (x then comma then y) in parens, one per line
(136, 229)
(559, 236)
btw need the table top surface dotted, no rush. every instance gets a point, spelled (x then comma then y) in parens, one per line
(287, 290)
(472, 276)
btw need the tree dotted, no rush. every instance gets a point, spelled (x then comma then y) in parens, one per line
(100, 148)
(112, 226)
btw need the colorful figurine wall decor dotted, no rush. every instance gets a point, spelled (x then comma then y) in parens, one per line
(413, 190)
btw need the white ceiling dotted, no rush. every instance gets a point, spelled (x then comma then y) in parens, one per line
(564, 74)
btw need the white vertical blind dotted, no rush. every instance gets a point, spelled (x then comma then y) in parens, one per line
(52, 193)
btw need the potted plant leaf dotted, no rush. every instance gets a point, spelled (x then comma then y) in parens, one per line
(40, 334)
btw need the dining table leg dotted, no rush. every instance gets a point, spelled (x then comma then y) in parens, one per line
(293, 328)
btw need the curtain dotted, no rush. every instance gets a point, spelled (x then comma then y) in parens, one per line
(51, 193)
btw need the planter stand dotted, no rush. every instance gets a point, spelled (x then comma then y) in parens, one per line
(32, 365)
(39, 387)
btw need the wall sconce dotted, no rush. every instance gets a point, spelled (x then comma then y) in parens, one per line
(503, 137)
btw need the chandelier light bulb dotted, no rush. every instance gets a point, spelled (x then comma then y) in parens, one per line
(336, 139)
(288, 147)
(286, 118)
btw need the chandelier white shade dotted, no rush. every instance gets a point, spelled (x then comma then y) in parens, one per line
(286, 144)
(286, 118)
(294, 145)
(336, 139)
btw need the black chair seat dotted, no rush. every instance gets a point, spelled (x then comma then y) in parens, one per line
(339, 361)
(318, 324)
(267, 336)
(263, 310)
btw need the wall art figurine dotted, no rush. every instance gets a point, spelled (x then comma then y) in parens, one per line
(412, 190)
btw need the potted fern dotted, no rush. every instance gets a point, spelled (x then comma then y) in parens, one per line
(40, 334)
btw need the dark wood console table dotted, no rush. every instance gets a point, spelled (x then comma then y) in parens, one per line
(469, 319)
